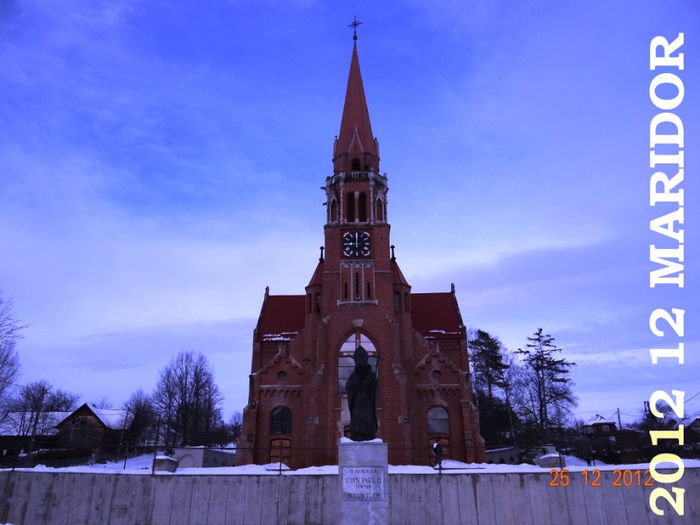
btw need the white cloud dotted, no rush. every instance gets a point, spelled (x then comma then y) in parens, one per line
(94, 265)
(636, 356)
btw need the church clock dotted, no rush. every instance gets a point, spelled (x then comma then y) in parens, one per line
(356, 244)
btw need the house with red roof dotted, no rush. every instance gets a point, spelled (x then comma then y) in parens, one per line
(357, 296)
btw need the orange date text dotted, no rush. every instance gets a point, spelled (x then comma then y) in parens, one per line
(592, 478)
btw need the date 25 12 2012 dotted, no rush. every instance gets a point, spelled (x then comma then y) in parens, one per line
(622, 478)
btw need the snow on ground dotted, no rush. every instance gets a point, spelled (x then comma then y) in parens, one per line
(142, 465)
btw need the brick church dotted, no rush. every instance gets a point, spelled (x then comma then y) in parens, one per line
(303, 344)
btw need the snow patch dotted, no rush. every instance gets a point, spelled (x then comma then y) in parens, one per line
(142, 465)
(348, 440)
(276, 466)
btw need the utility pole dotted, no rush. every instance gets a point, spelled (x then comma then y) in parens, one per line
(619, 422)
(510, 418)
(121, 439)
(155, 448)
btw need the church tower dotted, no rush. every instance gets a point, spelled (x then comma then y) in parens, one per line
(357, 295)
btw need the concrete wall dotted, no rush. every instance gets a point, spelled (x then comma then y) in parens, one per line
(28, 498)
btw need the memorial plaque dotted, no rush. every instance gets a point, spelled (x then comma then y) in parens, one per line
(363, 483)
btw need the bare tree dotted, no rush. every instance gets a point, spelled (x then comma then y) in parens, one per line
(102, 403)
(186, 400)
(236, 426)
(10, 333)
(32, 411)
(10, 327)
(164, 403)
(9, 369)
(140, 407)
(34, 403)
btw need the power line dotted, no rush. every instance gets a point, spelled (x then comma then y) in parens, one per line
(696, 394)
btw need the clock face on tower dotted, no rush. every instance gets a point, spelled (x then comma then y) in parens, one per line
(356, 244)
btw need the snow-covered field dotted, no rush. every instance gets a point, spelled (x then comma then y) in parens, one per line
(142, 465)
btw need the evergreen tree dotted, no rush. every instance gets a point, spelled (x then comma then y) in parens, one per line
(548, 384)
(489, 373)
(487, 360)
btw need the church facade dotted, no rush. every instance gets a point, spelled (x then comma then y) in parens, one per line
(303, 344)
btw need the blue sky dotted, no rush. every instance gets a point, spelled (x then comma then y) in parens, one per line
(160, 164)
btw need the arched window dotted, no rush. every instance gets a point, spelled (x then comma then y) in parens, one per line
(318, 302)
(355, 164)
(281, 421)
(350, 210)
(363, 207)
(345, 362)
(438, 421)
(334, 211)
(397, 302)
(379, 213)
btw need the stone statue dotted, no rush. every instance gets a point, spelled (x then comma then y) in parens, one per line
(361, 388)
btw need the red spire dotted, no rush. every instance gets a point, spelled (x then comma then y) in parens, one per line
(355, 147)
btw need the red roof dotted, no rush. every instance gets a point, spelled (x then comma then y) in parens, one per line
(317, 277)
(396, 274)
(282, 316)
(436, 314)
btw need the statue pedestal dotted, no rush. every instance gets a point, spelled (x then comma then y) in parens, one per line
(363, 482)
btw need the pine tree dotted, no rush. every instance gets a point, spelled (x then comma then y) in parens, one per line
(487, 359)
(489, 373)
(549, 382)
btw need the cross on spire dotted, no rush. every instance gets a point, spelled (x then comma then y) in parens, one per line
(355, 142)
(355, 22)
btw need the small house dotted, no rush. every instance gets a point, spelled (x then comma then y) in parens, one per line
(89, 427)
(17, 429)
